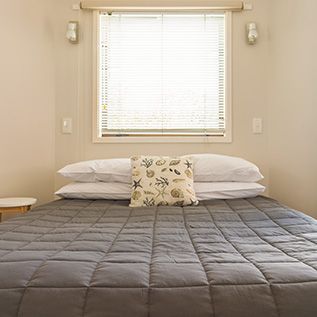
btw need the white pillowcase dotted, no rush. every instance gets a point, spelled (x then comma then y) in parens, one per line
(99, 190)
(223, 168)
(227, 190)
(110, 170)
(114, 170)
(207, 168)
(121, 191)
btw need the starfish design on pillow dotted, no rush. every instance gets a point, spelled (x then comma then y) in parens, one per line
(188, 164)
(137, 184)
(161, 192)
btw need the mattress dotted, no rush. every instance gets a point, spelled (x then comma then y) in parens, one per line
(234, 258)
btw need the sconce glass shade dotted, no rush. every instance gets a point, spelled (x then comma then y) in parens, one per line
(72, 32)
(252, 33)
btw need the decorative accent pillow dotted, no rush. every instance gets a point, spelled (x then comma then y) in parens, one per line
(162, 181)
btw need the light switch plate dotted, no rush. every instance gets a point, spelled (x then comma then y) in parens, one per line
(257, 125)
(247, 6)
(76, 7)
(67, 125)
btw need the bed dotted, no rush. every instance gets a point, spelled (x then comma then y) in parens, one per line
(223, 258)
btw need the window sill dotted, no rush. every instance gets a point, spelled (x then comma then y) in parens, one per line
(152, 139)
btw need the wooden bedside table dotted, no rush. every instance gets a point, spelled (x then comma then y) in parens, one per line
(16, 205)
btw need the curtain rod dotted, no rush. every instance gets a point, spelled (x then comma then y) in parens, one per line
(161, 5)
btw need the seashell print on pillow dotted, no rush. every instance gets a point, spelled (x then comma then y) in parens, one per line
(162, 181)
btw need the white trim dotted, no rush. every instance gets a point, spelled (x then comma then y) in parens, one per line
(166, 139)
(95, 82)
(227, 138)
(228, 84)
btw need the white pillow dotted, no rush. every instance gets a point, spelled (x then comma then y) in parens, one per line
(222, 168)
(207, 168)
(114, 170)
(110, 170)
(227, 190)
(121, 191)
(99, 190)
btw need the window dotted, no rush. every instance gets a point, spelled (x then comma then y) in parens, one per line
(163, 75)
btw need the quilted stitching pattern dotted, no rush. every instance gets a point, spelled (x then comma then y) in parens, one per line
(244, 257)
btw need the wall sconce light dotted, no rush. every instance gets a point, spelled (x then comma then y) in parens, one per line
(72, 32)
(252, 33)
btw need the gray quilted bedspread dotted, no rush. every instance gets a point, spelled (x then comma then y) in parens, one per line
(237, 258)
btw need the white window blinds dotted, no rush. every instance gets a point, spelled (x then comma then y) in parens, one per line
(161, 74)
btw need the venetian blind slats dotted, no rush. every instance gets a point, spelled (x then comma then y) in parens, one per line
(162, 74)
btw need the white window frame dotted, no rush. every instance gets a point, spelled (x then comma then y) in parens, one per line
(226, 138)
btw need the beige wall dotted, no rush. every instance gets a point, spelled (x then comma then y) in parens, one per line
(74, 96)
(27, 96)
(293, 104)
